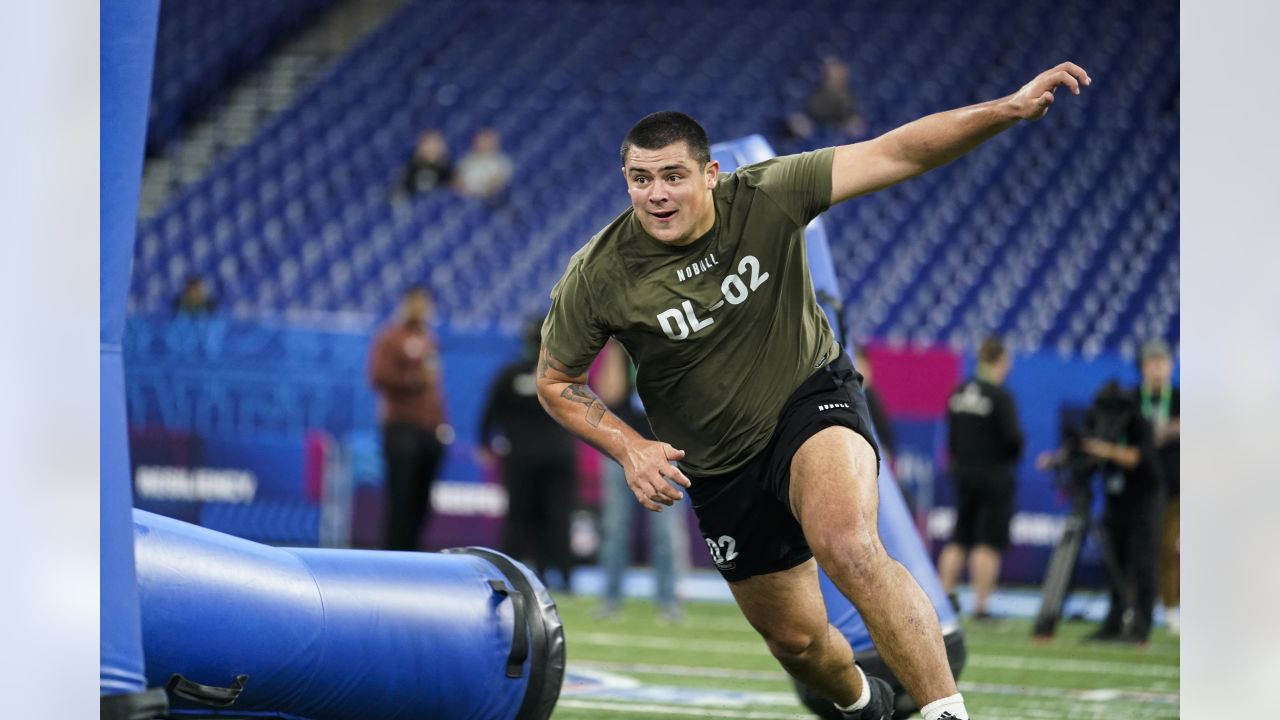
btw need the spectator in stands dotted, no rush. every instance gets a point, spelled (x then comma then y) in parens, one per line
(615, 385)
(484, 171)
(884, 428)
(538, 460)
(1161, 407)
(985, 442)
(832, 106)
(429, 167)
(194, 300)
(404, 369)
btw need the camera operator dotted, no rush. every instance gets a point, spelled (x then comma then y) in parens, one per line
(1116, 443)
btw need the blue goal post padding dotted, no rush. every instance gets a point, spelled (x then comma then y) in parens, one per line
(128, 40)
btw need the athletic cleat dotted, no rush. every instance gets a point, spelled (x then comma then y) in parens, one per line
(880, 706)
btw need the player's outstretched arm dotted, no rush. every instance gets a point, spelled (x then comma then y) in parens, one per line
(938, 139)
(647, 463)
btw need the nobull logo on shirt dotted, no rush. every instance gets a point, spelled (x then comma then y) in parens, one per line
(697, 268)
(678, 323)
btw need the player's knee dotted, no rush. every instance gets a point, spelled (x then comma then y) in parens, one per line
(794, 644)
(853, 550)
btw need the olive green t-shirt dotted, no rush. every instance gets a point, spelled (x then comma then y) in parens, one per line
(722, 330)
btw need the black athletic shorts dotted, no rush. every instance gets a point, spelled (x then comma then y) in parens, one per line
(745, 516)
(984, 509)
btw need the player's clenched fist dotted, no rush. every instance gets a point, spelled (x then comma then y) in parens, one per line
(650, 474)
(1034, 99)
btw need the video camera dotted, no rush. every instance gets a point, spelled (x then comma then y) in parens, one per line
(1107, 419)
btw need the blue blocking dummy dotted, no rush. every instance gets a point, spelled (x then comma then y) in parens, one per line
(897, 530)
(237, 629)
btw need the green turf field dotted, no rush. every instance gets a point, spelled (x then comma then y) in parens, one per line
(714, 666)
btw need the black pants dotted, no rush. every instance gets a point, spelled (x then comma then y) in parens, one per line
(984, 508)
(412, 455)
(1130, 531)
(540, 496)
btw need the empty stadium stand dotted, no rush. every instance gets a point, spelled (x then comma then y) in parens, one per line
(1062, 235)
(203, 45)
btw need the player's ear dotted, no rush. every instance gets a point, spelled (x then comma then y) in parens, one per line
(713, 172)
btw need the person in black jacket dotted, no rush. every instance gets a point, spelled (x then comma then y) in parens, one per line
(538, 463)
(429, 167)
(985, 442)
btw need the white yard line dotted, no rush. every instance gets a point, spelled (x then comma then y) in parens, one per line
(1001, 662)
(1086, 667)
(678, 710)
(1019, 642)
(1106, 695)
(1085, 695)
(1022, 712)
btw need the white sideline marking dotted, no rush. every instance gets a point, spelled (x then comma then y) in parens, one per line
(1078, 694)
(1001, 662)
(1081, 694)
(1088, 667)
(1019, 713)
(677, 710)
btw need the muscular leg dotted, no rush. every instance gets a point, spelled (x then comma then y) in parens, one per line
(615, 548)
(1167, 563)
(834, 495)
(786, 608)
(984, 568)
(950, 563)
(402, 515)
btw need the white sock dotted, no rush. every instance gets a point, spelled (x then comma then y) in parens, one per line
(863, 699)
(948, 708)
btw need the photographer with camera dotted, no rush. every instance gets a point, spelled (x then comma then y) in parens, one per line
(1116, 443)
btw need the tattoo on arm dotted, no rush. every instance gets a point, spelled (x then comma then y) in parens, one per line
(582, 394)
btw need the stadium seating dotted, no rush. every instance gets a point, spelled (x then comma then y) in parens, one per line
(204, 44)
(1062, 235)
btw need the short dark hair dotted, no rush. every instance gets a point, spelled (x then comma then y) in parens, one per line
(660, 129)
(991, 350)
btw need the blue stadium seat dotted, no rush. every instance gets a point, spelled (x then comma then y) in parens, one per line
(1063, 237)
